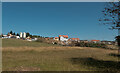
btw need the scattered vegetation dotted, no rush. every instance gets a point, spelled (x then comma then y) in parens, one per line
(82, 44)
(118, 40)
(48, 41)
(115, 55)
(41, 40)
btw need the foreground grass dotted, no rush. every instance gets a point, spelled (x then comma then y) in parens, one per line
(57, 58)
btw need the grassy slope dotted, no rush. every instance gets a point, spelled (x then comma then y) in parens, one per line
(56, 59)
(22, 43)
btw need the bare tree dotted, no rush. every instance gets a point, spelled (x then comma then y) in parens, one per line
(111, 17)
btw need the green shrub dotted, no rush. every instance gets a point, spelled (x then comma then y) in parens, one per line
(41, 40)
(118, 40)
(82, 44)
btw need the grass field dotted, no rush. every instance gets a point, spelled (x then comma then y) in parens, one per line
(22, 43)
(35, 56)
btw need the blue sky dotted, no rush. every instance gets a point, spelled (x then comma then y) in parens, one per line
(75, 19)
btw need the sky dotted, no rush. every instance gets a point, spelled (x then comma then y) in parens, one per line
(50, 19)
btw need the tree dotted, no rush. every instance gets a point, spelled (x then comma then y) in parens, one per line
(8, 33)
(11, 32)
(17, 34)
(111, 16)
(30, 36)
(27, 34)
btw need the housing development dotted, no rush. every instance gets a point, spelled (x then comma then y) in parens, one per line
(63, 39)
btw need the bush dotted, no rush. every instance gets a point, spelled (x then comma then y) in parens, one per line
(41, 40)
(118, 40)
(55, 43)
(82, 44)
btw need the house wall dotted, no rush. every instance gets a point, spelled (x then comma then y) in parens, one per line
(24, 35)
(56, 39)
(63, 39)
(21, 34)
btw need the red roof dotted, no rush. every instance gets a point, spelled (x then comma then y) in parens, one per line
(75, 39)
(65, 36)
(56, 37)
(60, 35)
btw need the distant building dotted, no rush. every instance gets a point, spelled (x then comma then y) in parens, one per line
(51, 38)
(21, 35)
(17, 37)
(28, 37)
(47, 38)
(108, 42)
(63, 37)
(56, 38)
(5, 36)
(31, 39)
(74, 39)
(95, 41)
(85, 41)
(24, 35)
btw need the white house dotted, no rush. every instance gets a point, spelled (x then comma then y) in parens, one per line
(5, 36)
(63, 37)
(22, 35)
(17, 37)
(74, 39)
(56, 38)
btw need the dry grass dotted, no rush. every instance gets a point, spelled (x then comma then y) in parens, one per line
(56, 58)
(39, 48)
(52, 58)
(23, 43)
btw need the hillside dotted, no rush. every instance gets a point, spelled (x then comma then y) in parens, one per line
(21, 55)
(23, 43)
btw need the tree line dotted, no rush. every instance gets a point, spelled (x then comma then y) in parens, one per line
(27, 34)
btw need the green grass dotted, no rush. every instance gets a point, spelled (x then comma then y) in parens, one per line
(86, 59)
(22, 43)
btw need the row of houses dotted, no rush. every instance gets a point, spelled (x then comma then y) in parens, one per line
(65, 38)
(98, 41)
(10, 36)
(21, 36)
(62, 38)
